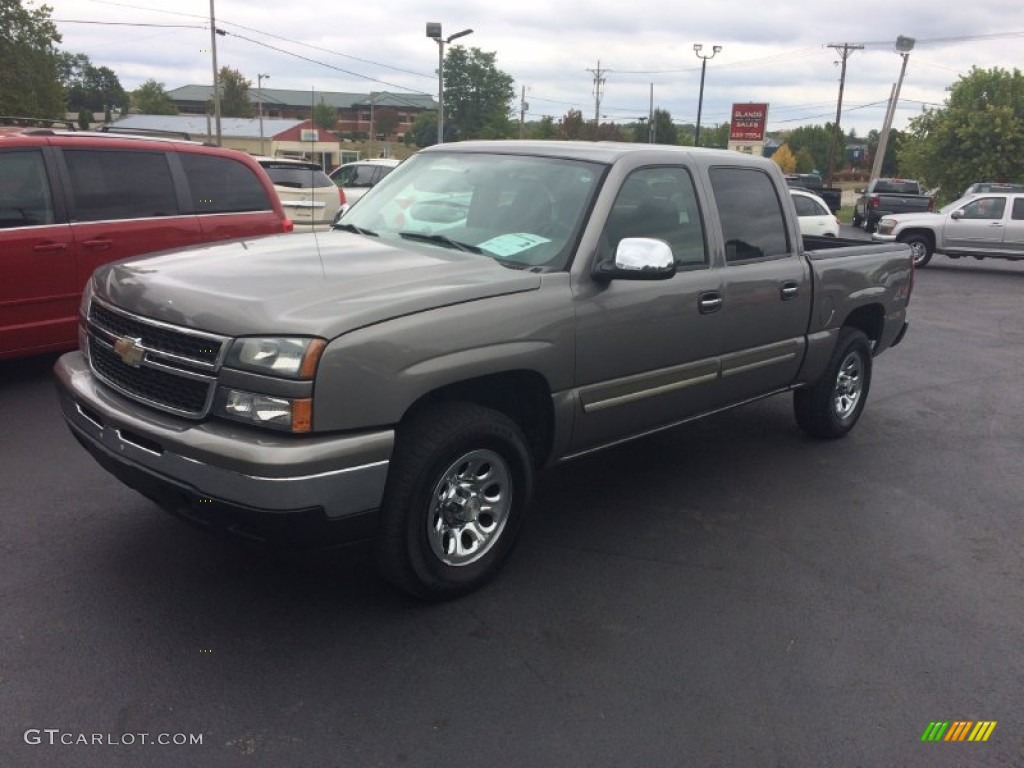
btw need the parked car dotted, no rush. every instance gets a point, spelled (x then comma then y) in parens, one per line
(407, 381)
(984, 226)
(883, 197)
(71, 201)
(308, 196)
(813, 214)
(812, 182)
(356, 178)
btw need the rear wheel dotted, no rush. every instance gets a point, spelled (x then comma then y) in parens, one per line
(857, 220)
(457, 493)
(831, 407)
(920, 249)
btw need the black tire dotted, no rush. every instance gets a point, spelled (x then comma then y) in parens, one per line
(437, 550)
(857, 220)
(831, 407)
(869, 225)
(921, 248)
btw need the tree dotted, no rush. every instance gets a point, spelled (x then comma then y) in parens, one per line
(477, 95)
(385, 121)
(785, 159)
(234, 94)
(978, 135)
(150, 98)
(572, 126)
(88, 87)
(665, 131)
(816, 139)
(28, 61)
(715, 136)
(324, 115)
(423, 131)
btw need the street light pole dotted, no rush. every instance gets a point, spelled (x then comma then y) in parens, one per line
(259, 96)
(216, 74)
(434, 32)
(904, 45)
(697, 48)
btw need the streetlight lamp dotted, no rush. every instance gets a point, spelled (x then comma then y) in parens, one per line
(697, 48)
(259, 97)
(904, 45)
(434, 31)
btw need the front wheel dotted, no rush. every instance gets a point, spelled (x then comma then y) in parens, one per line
(857, 220)
(457, 492)
(832, 405)
(920, 249)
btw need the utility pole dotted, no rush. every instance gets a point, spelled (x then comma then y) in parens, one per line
(650, 118)
(216, 75)
(523, 106)
(844, 50)
(598, 92)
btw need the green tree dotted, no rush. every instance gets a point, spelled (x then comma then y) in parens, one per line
(29, 86)
(234, 94)
(423, 131)
(715, 136)
(324, 115)
(150, 98)
(665, 131)
(89, 87)
(477, 95)
(544, 128)
(805, 162)
(817, 139)
(978, 135)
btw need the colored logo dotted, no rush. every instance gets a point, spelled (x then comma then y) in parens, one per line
(958, 730)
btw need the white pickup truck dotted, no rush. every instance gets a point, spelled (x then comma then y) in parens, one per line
(984, 226)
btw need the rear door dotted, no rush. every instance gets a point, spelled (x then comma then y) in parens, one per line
(123, 203)
(230, 198)
(39, 282)
(1013, 237)
(766, 294)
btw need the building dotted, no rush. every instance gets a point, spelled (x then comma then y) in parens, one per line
(280, 137)
(356, 112)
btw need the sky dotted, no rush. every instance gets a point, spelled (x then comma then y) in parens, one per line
(779, 52)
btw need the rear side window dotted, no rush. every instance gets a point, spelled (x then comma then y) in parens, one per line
(297, 176)
(223, 185)
(24, 190)
(355, 176)
(807, 207)
(753, 224)
(114, 184)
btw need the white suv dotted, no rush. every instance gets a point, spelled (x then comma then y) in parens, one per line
(354, 179)
(308, 196)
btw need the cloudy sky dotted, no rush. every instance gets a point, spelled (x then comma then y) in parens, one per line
(776, 52)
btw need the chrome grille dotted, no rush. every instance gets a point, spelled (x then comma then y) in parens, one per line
(173, 369)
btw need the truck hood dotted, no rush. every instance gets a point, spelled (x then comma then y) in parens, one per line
(301, 284)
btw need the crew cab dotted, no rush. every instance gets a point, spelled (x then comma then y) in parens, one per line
(489, 310)
(883, 197)
(983, 226)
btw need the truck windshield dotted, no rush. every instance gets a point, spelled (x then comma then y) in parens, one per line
(518, 209)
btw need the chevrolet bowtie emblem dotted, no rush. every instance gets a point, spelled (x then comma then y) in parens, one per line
(129, 350)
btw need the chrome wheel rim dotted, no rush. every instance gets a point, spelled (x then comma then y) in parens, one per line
(849, 385)
(469, 507)
(917, 252)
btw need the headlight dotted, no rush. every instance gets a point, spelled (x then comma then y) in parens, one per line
(292, 357)
(885, 226)
(289, 414)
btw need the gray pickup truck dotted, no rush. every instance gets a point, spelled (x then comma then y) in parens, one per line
(883, 197)
(981, 225)
(489, 309)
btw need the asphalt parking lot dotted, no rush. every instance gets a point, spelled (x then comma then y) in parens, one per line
(731, 593)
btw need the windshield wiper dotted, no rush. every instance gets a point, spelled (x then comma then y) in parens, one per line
(441, 240)
(354, 228)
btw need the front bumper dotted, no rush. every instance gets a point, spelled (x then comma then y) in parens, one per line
(264, 485)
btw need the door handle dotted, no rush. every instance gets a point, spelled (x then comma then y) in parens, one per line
(709, 302)
(789, 291)
(50, 247)
(99, 242)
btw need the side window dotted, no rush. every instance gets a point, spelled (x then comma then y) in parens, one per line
(660, 203)
(24, 190)
(805, 206)
(753, 224)
(114, 184)
(223, 185)
(985, 208)
(1018, 209)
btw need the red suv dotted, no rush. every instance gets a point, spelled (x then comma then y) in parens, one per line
(71, 201)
